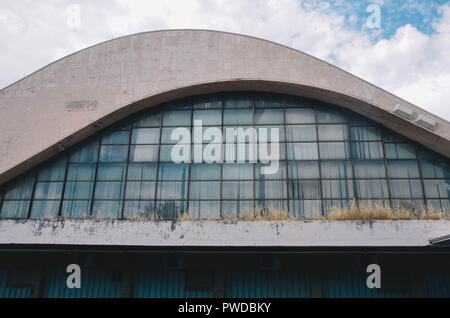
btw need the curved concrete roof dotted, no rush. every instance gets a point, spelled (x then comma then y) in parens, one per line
(74, 97)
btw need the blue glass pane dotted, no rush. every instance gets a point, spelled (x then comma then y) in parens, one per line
(207, 102)
(358, 120)
(53, 171)
(116, 138)
(367, 150)
(208, 117)
(269, 116)
(337, 169)
(140, 190)
(142, 171)
(304, 189)
(171, 209)
(326, 114)
(177, 118)
(365, 133)
(279, 174)
(81, 172)
(166, 152)
(439, 189)
(108, 190)
(400, 151)
(138, 209)
(370, 169)
(333, 132)
(237, 171)
(172, 190)
(334, 150)
(237, 190)
(204, 209)
(144, 153)
(166, 136)
(205, 171)
(369, 189)
(78, 190)
(145, 136)
(432, 169)
(305, 209)
(266, 100)
(151, 118)
(204, 190)
(300, 116)
(389, 136)
(14, 209)
(335, 189)
(111, 171)
(113, 153)
(304, 170)
(173, 171)
(302, 151)
(270, 189)
(235, 208)
(301, 133)
(181, 104)
(236, 117)
(86, 152)
(270, 133)
(44, 209)
(406, 188)
(20, 188)
(403, 169)
(238, 100)
(48, 190)
(107, 209)
(75, 209)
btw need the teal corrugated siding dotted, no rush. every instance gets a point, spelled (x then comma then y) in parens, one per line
(352, 285)
(437, 285)
(164, 284)
(11, 292)
(267, 284)
(94, 284)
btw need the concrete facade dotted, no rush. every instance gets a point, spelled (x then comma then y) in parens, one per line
(71, 99)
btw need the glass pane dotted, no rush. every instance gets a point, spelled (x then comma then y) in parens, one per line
(369, 189)
(272, 205)
(237, 171)
(301, 133)
(332, 114)
(144, 153)
(53, 171)
(338, 169)
(138, 210)
(14, 209)
(435, 169)
(209, 117)
(279, 174)
(177, 118)
(171, 209)
(370, 169)
(238, 100)
(172, 190)
(267, 133)
(333, 132)
(335, 189)
(237, 117)
(374, 203)
(367, 150)
(269, 116)
(406, 188)
(86, 152)
(107, 209)
(20, 188)
(389, 136)
(48, 190)
(113, 153)
(235, 208)
(365, 133)
(441, 205)
(75, 209)
(78, 190)
(334, 150)
(111, 171)
(207, 102)
(305, 209)
(185, 103)
(142, 171)
(439, 189)
(140, 190)
(270, 189)
(166, 153)
(81, 172)
(400, 151)
(145, 136)
(304, 170)
(303, 151)
(204, 209)
(304, 189)
(173, 171)
(166, 136)
(109, 190)
(204, 190)
(300, 116)
(44, 209)
(409, 204)
(150, 119)
(263, 100)
(330, 205)
(116, 138)
(403, 169)
(237, 190)
(205, 171)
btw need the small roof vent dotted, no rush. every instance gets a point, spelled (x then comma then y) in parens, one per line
(426, 122)
(404, 112)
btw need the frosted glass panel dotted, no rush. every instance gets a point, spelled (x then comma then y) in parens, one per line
(111, 171)
(44, 209)
(237, 190)
(116, 138)
(304, 170)
(304, 189)
(406, 188)
(279, 174)
(209, 117)
(78, 172)
(237, 171)
(205, 172)
(20, 188)
(204, 209)
(367, 150)
(177, 118)
(144, 153)
(305, 209)
(269, 116)
(400, 151)
(107, 209)
(108, 190)
(302, 151)
(439, 189)
(142, 171)
(204, 190)
(300, 116)
(237, 208)
(403, 169)
(370, 169)
(53, 171)
(113, 153)
(86, 152)
(14, 209)
(301, 133)
(48, 190)
(168, 171)
(75, 209)
(140, 190)
(78, 190)
(365, 133)
(145, 136)
(270, 189)
(172, 190)
(337, 169)
(333, 132)
(333, 189)
(334, 150)
(237, 117)
(368, 189)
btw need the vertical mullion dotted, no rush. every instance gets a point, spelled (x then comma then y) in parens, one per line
(64, 184)
(30, 206)
(125, 180)
(419, 162)
(253, 97)
(95, 174)
(352, 160)
(319, 161)
(286, 154)
(388, 177)
(222, 160)
(158, 159)
(191, 147)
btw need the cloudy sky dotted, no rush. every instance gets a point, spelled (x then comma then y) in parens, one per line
(408, 54)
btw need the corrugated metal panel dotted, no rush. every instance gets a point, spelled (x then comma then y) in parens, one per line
(437, 285)
(11, 292)
(267, 284)
(164, 284)
(94, 284)
(352, 285)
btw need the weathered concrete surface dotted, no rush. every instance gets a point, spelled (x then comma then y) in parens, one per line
(219, 233)
(76, 96)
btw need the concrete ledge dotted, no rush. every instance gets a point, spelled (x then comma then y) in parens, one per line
(220, 233)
